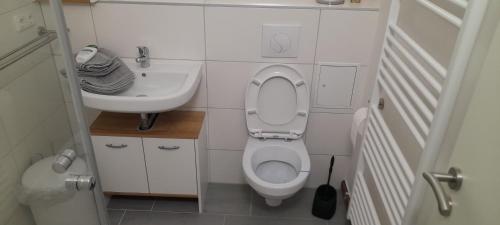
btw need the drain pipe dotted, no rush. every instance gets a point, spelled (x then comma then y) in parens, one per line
(147, 121)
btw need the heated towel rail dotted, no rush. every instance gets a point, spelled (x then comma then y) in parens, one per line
(422, 92)
(44, 37)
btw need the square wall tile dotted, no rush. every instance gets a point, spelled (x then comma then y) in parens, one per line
(235, 33)
(49, 93)
(228, 81)
(36, 144)
(329, 133)
(346, 36)
(227, 129)
(79, 22)
(8, 5)
(9, 178)
(226, 166)
(5, 146)
(14, 71)
(319, 170)
(58, 129)
(11, 38)
(170, 32)
(18, 108)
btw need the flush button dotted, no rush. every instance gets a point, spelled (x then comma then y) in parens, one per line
(280, 41)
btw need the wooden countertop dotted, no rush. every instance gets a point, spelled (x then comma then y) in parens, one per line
(174, 124)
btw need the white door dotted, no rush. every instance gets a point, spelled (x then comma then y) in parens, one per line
(476, 153)
(420, 77)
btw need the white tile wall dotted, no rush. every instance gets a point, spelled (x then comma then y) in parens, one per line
(8, 5)
(225, 166)
(234, 34)
(231, 37)
(79, 22)
(227, 81)
(170, 32)
(346, 36)
(10, 37)
(32, 114)
(328, 133)
(227, 129)
(5, 146)
(319, 170)
(9, 178)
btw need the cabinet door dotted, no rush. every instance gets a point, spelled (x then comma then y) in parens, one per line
(120, 161)
(171, 165)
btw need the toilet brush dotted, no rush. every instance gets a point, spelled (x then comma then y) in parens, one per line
(325, 198)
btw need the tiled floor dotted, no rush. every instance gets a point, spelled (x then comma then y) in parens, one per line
(226, 205)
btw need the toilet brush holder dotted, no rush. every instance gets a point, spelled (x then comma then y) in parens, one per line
(325, 198)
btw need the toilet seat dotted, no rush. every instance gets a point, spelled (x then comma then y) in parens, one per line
(279, 156)
(277, 103)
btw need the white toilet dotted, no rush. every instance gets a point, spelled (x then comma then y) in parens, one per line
(275, 162)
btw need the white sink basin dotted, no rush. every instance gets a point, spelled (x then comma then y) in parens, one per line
(163, 86)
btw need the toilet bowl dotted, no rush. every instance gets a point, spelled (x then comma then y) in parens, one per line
(276, 163)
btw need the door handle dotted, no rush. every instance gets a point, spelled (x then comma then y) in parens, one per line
(454, 179)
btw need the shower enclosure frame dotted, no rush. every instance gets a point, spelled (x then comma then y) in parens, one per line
(75, 91)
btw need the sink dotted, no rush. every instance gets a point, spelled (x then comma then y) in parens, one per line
(163, 86)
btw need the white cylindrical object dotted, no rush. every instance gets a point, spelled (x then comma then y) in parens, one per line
(357, 128)
(358, 125)
(50, 201)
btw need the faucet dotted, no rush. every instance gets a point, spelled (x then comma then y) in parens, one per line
(143, 58)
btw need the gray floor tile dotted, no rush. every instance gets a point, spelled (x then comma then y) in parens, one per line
(228, 199)
(252, 220)
(297, 206)
(164, 218)
(132, 203)
(115, 216)
(340, 215)
(176, 205)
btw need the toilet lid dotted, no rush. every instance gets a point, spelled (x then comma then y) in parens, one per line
(277, 103)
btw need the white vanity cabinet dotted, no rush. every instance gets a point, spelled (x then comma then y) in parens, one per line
(171, 166)
(169, 160)
(120, 161)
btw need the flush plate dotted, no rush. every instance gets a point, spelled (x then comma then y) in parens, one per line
(280, 41)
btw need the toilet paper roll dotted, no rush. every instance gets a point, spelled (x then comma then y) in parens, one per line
(358, 123)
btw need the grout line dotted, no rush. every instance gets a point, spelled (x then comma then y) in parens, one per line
(224, 221)
(153, 205)
(251, 202)
(121, 218)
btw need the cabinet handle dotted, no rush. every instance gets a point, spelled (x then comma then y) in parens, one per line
(169, 148)
(116, 146)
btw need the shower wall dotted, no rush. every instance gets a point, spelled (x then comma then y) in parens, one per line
(34, 120)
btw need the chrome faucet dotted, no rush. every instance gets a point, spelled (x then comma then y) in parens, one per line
(143, 58)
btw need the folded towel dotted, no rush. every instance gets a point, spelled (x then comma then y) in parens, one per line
(115, 82)
(103, 63)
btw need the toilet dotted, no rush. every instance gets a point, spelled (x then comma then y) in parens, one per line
(276, 163)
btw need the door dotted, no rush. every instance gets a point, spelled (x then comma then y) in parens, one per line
(477, 153)
(427, 51)
(39, 119)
